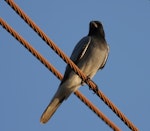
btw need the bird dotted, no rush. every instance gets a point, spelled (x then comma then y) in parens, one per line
(90, 55)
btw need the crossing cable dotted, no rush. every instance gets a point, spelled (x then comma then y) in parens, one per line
(89, 82)
(56, 73)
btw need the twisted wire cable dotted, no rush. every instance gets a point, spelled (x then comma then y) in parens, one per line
(91, 84)
(56, 73)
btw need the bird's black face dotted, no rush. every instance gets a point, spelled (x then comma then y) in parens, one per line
(96, 28)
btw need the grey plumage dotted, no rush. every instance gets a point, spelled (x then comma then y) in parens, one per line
(90, 55)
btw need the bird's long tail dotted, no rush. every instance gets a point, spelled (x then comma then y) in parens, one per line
(51, 108)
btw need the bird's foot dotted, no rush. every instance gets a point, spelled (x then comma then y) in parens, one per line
(96, 89)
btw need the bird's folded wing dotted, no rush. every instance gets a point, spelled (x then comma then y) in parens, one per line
(77, 54)
(80, 49)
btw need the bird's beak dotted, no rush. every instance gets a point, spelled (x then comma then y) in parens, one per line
(94, 24)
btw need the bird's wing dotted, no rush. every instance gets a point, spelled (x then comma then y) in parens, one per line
(80, 49)
(105, 60)
(78, 52)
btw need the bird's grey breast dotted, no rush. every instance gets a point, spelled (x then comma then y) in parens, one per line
(93, 57)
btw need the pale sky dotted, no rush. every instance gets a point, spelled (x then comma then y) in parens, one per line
(26, 86)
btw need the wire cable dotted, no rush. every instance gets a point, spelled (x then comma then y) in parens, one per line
(91, 84)
(56, 73)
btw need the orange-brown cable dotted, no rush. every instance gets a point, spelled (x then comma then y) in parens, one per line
(91, 84)
(56, 73)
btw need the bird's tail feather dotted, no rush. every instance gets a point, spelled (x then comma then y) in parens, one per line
(50, 110)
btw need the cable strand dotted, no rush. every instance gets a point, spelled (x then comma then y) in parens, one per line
(91, 84)
(56, 73)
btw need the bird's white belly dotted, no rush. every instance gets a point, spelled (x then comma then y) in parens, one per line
(92, 62)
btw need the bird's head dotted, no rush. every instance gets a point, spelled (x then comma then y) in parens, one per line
(96, 29)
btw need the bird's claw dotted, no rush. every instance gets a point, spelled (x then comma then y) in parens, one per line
(96, 88)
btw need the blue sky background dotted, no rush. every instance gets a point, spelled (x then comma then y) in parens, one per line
(26, 86)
